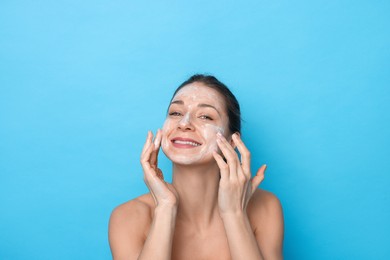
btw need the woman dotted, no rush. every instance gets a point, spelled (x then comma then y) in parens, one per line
(212, 209)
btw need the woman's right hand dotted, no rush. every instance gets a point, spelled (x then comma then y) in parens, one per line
(164, 194)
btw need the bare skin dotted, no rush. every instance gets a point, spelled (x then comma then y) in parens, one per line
(131, 222)
(212, 209)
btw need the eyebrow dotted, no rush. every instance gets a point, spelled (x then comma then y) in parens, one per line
(180, 102)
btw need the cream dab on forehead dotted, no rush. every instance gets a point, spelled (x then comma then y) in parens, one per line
(199, 92)
(199, 95)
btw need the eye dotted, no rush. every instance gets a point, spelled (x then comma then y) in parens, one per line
(206, 117)
(174, 113)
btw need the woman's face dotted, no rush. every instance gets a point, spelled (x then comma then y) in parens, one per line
(196, 114)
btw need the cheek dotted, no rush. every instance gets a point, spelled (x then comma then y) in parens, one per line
(210, 133)
(166, 126)
(165, 130)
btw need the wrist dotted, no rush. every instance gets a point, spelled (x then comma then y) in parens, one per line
(165, 209)
(237, 214)
(236, 220)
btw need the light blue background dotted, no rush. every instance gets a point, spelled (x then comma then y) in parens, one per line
(83, 81)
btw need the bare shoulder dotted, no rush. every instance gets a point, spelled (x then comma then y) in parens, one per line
(129, 225)
(266, 218)
(137, 210)
(140, 205)
(263, 201)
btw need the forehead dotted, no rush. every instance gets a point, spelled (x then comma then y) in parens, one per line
(198, 92)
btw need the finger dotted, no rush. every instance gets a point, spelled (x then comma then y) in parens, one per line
(145, 162)
(147, 142)
(145, 158)
(151, 191)
(230, 155)
(153, 183)
(156, 148)
(223, 167)
(245, 154)
(148, 149)
(157, 140)
(259, 177)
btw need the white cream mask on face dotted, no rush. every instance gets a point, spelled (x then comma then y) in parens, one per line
(201, 130)
(210, 132)
(185, 156)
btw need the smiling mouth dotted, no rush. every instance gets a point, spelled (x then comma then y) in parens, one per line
(186, 142)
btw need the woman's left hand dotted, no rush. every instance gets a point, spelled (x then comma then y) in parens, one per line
(236, 186)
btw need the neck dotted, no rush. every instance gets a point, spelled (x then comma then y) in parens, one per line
(197, 187)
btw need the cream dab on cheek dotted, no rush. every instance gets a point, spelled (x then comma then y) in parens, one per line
(210, 133)
(164, 141)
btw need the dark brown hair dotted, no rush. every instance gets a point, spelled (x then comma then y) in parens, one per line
(232, 105)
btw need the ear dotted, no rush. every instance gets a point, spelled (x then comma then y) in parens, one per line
(232, 142)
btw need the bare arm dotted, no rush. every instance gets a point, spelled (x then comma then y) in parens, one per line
(261, 236)
(127, 231)
(242, 242)
(135, 234)
(236, 188)
(158, 244)
(257, 234)
(266, 216)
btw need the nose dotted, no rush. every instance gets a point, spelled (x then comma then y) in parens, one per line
(185, 123)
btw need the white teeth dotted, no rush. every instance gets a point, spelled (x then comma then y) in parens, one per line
(186, 142)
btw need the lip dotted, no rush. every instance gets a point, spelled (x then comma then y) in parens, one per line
(181, 142)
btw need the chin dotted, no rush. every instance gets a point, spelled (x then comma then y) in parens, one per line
(182, 159)
(188, 158)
